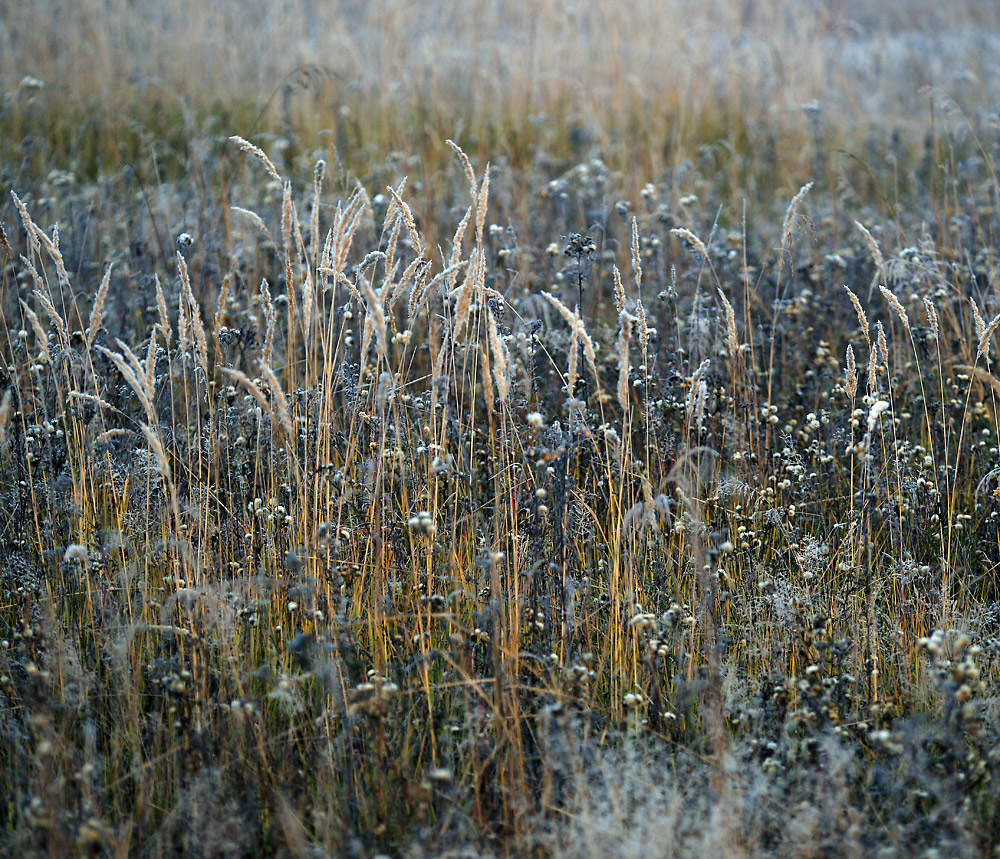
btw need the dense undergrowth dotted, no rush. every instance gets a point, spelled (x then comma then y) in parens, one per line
(564, 506)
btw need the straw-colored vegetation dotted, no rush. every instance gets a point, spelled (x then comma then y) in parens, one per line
(503, 430)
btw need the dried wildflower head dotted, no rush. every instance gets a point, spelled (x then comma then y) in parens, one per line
(75, 553)
(875, 412)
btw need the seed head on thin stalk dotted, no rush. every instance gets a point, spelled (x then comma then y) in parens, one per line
(624, 335)
(862, 317)
(932, 317)
(980, 324)
(691, 239)
(792, 214)
(258, 153)
(883, 345)
(852, 374)
(636, 257)
(500, 358)
(97, 312)
(731, 340)
(895, 305)
(984, 340)
(619, 291)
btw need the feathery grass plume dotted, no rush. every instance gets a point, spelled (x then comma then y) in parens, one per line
(52, 248)
(183, 324)
(481, 204)
(691, 239)
(484, 363)
(133, 375)
(500, 357)
(319, 174)
(308, 306)
(6, 407)
(862, 317)
(45, 300)
(97, 312)
(640, 315)
(467, 291)
(572, 367)
(932, 317)
(36, 278)
(423, 283)
(580, 332)
(114, 432)
(269, 319)
(701, 397)
(96, 400)
(286, 232)
(133, 361)
(254, 219)
(873, 369)
(422, 287)
(36, 326)
(161, 310)
(790, 215)
(220, 308)
(258, 153)
(28, 224)
(339, 239)
(411, 224)
(980, 324)
(981, 374)
(696, 379)
(883, 345)
(250, 385)
(624, 368)
(156, 446)
(326, 258)
(456, 247)
(194, 314)
(470, 174)
(151, 364)
(366, 340)
(984, 340)
(895, 305)
(876, 253)
(278, 398)
(391, 242)
(619, 291)
(408, 275)
(636, 256)
(852, 373)
(376, 313)
(730, 323)
(5, 244)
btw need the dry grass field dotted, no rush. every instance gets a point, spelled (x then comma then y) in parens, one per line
(499, 428)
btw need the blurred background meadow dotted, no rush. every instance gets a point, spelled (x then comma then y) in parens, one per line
(499, 428)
